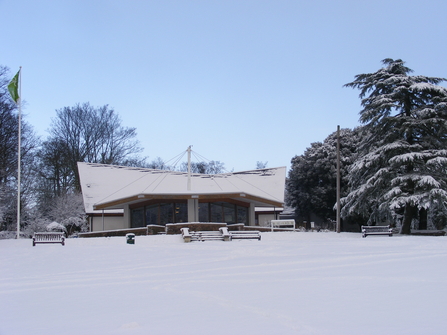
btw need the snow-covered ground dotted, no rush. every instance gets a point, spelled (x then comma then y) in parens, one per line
(287, 283)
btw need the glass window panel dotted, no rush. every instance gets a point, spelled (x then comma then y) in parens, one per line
(216, 212)
(204, 213)
(166, 213)
(137, 219)
(181, 212)
(152, 214)
(229, 211)
(242, 215)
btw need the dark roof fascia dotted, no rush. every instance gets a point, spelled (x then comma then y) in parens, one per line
(119, 203)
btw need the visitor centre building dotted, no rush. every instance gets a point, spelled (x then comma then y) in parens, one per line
(118, 197)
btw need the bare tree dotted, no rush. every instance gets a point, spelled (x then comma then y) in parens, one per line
(89, 134)
(158, 164)
(212, 167)
(261, 165)
(54, 175)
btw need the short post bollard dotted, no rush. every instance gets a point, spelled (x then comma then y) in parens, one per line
(130, 238)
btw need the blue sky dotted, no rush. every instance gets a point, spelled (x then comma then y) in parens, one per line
(242, 81)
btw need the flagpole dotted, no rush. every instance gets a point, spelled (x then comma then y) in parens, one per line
(19, 154)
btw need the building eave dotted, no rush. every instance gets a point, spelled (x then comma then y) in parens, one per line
(244, 197)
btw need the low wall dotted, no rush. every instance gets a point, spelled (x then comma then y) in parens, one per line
(116, 232)
(428, 232)
(174, 228)
(236, 227)
(155, 229)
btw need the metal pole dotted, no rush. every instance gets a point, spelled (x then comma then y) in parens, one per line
(19, 154)
(189, 168)
(338, 179)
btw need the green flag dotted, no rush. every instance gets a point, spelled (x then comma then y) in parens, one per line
(13, 88)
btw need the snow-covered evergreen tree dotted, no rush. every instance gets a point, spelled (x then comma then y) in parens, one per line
(401, 171)
(311, 184)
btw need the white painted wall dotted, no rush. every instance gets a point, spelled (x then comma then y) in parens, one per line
(110, 222)
(126, 216)
(251, 215)
(264, 219)
(193, 210)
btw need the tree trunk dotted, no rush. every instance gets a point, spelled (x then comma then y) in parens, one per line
(423, 222)
(409, 214)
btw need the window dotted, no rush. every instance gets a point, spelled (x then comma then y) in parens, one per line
(138, 217)
(204, 212)
(152, 214)
(229, 212)
(216, 214)
(242, 215)
(177, 212)
(166, 213)
(181, 212)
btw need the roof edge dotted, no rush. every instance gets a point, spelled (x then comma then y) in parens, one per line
(184, 196)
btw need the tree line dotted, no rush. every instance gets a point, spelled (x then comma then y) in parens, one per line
(393, 165)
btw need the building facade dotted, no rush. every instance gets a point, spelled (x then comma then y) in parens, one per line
(117, 197)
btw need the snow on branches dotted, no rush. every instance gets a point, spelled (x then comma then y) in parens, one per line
(402, 162)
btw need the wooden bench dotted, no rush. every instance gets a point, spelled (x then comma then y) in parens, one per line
(283, 224)
(245, 234)
(221, 235)
(48, 238)
(376, 230)
(206, 236)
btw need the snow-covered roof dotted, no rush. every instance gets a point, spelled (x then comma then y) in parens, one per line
(110, 186)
